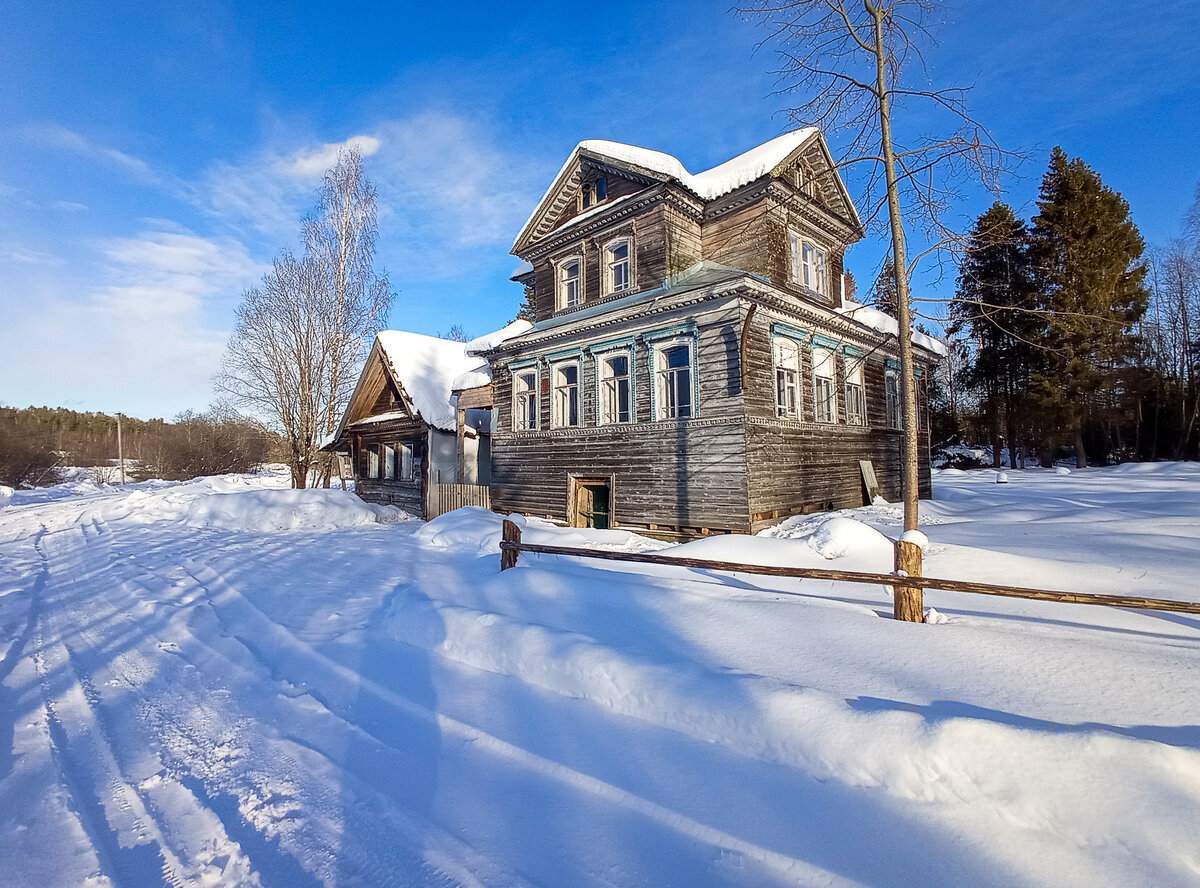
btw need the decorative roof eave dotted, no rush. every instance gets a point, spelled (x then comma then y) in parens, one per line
(748, 287)
(566, 186)
(855, 220)
(600, 322)
(815, 213)
(376, 354)
(631, 205)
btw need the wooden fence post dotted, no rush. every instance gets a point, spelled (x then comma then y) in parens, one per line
(908, 600)
(512, 534)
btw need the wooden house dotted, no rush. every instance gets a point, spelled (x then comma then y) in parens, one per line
(693, 366)
(403, 432)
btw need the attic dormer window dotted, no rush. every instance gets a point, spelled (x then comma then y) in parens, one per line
(595, 192)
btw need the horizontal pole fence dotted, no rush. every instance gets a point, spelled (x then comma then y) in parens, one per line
(510, 547)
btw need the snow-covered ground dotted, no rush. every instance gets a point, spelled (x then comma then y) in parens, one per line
(221, 682)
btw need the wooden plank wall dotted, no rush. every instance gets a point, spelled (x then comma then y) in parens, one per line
(407, 495)
(794, 464)
(680, 473)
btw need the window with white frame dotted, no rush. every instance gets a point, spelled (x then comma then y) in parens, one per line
(372, 461)
(525, 399)
(824, 401)
(616, 390)
(891, 388)
(855, 404)
(616, 266)
(570, 282)
(787, 375)
(566, 394)
(808, 264)
(673, 381)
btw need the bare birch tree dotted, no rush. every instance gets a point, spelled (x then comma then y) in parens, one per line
(857, 65)
(302, 334)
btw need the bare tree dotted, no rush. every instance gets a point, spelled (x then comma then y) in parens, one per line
(301, 334)
(855, 64)
(340, 238)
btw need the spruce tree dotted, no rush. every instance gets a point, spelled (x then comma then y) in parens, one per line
(1092, 283)
(994, 304)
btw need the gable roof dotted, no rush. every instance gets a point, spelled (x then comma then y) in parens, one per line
(424, 370)
(708, 185)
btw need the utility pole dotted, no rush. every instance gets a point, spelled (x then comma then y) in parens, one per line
(120, 449)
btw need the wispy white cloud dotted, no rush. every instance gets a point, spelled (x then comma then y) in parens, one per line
(313, 164)
(149, 333)
(53, 135)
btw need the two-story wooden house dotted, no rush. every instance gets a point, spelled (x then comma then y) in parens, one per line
(692, 366)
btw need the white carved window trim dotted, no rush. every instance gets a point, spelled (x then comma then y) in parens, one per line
(608, 388)
(525, 400)
(809, 264)
(856, 404)
(611, 264)
(786, 358)
(667, 380)
(562, 289)
(564, 395)
(824, 371)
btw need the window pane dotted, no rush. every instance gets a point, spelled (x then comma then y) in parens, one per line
(601, 189)
(677, 356)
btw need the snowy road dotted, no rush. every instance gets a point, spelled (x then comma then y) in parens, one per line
(215, 684)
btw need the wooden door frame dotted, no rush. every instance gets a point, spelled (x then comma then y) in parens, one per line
(577, 478)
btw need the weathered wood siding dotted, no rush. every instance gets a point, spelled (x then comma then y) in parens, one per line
(688, 473)
(797, 464)
(408, 495)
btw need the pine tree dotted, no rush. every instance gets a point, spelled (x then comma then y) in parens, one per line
(1088, 253)
(994, 304)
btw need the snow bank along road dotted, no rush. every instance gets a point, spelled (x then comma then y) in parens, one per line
(218, 683)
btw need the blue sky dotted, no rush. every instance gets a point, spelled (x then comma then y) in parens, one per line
(157, 155)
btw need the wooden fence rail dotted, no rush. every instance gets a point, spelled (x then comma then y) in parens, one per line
(511, 546)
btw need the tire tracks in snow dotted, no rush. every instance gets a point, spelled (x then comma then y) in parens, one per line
(389, 844)
(115, 812)
(321, 675)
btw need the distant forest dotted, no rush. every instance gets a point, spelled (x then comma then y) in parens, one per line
(36, 443)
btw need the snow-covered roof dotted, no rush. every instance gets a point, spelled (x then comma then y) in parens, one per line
(524, 268)
(885, 323)
(481, 375)
(712, 183)
(490, 340)
(707, 185)
(430, 370)
(426, 367)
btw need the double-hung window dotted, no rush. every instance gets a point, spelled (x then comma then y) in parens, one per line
(808, 264)
(616, 257)
(616, 401)
(855, 405)
(787, 374)
(891, 388)
(824, 401)
(569, 283)
(566, 394)
(525, 399)
(673, 381)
